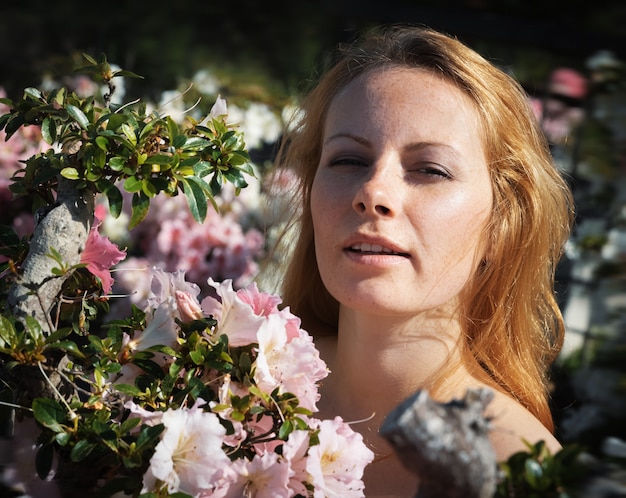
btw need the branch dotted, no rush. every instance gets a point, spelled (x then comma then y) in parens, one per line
(445, 444)
(65, 228)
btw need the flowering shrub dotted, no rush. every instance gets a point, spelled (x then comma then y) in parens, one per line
(181, 396)
(206, 398)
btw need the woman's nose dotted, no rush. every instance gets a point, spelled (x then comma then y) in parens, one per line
(375, 195)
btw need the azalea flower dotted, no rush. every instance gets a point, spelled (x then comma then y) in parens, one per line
(294, 364)
(265, 476)
(181, 295)
(295, 452)
(189, 458)
(236, 319)
(336, 464)
(161, 330)
(100, 254)
(219, 108)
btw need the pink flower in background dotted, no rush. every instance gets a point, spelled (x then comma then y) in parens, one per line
(25, 143)
(336, 464)
(222, 247)
(101, 254)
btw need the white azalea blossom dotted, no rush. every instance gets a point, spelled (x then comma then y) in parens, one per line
(189, 457)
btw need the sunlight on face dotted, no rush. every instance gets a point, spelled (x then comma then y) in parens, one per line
(402, 193)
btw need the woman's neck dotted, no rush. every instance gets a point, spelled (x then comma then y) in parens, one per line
(376, 363)
(392, 357)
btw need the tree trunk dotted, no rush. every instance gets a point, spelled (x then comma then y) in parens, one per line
(65, 228)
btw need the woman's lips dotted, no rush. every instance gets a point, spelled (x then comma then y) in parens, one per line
(374, 249)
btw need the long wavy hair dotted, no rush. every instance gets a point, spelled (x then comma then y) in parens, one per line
(513, 328)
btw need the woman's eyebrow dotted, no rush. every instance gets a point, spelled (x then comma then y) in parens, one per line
(351, 136)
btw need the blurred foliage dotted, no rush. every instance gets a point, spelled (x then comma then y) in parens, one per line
(280, 42)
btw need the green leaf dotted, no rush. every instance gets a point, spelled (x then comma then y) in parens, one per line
(78, 116)
(43, 460)
(148, 435)
(62, 438)
(196, 144)
(148, 188)
(140, 207)
(113, 194)
(285, 430)
(203, 168)
(235, 177)
(81, 450)
(4, 118)
(102, 142)
(173, 130)
(129, 424)
(533, 473)
(129, 132)
(117, 163)
(59, 98)
(70, 173)
(34, 93)
(7, 332)
(69, 346)
(13, 124)
(196, 198)
(159, 159)
(116, 120)
(127, 73)
(179, 141)
(49, 130)
(128, 389)
(197, 357)
(49, 413)
(133, 184)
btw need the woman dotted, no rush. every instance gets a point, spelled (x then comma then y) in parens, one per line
(432, 218)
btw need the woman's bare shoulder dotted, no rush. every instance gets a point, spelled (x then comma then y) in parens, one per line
(512, 424)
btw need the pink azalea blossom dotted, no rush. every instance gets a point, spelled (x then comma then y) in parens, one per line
(262, 303)
(147, 417)
(100, 255)
(336, 464)
(265, 476)
(173, 288)
(236, 319)
(189, 458)
(293, 365)
(266, 304)
(295, 452)
(161, 330)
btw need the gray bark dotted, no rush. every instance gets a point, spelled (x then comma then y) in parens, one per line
(445, 444)
(64, 227)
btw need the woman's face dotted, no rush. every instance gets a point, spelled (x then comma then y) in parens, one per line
(402, 194)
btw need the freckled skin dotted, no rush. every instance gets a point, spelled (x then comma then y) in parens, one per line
(402, 160)
(400, 202)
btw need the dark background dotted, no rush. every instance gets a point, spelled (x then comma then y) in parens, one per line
(285, 40)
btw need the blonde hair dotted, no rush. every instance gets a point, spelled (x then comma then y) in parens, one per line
(513, 328)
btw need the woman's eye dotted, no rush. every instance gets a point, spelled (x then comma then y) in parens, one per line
(435, 171)
(347, 161)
